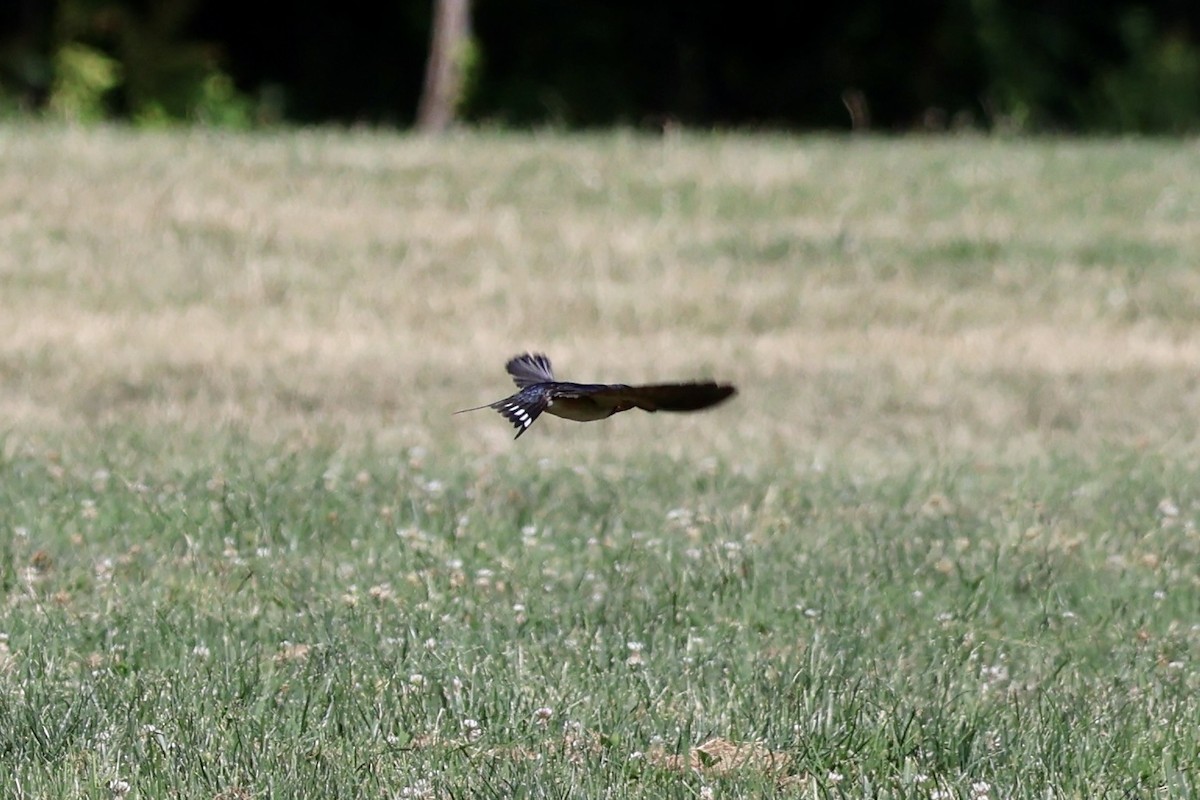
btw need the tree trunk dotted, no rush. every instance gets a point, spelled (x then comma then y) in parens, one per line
(444, 70)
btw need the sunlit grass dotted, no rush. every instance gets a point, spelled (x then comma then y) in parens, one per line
(348, 625)
(942, 545)
(369, 284)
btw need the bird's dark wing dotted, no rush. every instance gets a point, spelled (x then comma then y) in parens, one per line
(523, 408)
(529, 369)
(665, 396)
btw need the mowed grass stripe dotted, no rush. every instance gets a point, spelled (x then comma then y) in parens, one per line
(364, 285)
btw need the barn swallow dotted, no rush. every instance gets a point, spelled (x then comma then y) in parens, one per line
(586, 402)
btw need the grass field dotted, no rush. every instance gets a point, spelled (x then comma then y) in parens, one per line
(942, 545)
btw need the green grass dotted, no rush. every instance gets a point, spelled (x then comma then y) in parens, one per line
(325, 625)
(942, 545)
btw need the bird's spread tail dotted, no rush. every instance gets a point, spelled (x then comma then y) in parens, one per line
(521, 409)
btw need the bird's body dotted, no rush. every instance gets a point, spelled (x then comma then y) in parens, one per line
(587, 402)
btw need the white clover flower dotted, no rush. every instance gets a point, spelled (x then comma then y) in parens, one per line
(996, 673)
(472, 729)
(421, 788)
(103, 569)
(381, 592)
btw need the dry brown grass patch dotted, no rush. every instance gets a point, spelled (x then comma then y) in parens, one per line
(870, 303)
(719, 756)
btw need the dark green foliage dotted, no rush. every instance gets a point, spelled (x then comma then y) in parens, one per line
(1113, 65)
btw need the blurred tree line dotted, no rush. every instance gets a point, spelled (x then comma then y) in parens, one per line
(1107, 65)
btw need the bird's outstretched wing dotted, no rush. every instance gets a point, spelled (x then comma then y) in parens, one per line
(666, 396)
(529, 369)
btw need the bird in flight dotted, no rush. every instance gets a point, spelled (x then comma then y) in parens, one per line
(585, 402)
